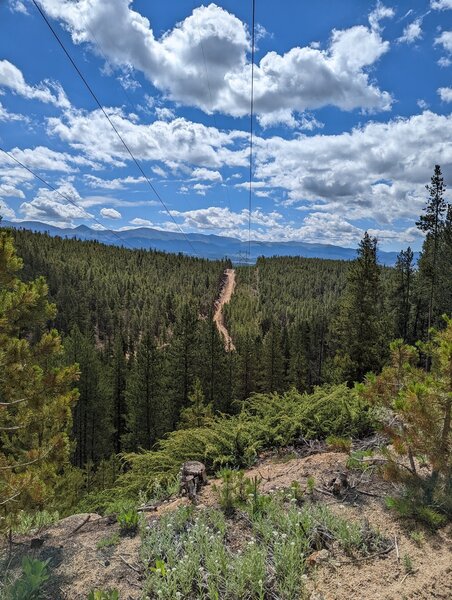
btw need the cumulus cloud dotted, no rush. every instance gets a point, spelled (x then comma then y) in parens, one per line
(377, 171)
(441, 4)
(315, 227)
(50, 92)
(224, 219)
(445, 40)
(110, 213)
(118, 183)
(5, 211)
(412, 32)
(51, 207)
(18, 6)
(138, 222)
(177, 141)
(379, 13)
(203, 174)
(215, 40)
(445, 94)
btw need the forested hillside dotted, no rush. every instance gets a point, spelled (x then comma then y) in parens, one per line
(137, 380)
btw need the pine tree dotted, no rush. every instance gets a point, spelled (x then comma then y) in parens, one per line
(92, 426)
(360, 325)
(416, 413)
(118, 371)
(183, 354)
(148, 416)
(36, 397)
(402, 293)
(272, 361)
(432, 223)
(198, 413)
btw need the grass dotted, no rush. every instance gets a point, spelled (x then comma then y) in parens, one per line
(255, 549)
(108, 542)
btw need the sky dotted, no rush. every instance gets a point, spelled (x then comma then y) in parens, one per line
(352, 103)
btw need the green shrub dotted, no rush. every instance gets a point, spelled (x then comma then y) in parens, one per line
(103, 595)
(339, 444)
(128, 520)
(410, 506)
(265, 421)
(29, 585)
(27, 522)
(108, 542)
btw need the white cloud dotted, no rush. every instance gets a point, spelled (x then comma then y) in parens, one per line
(377, 171)
(110, 213)
(441, 4)
(18, 6)
(203, 174)
(423, 105)
(412, 32)
(445, 40)
(5, 115)
(445, 94)
(445, 61)
(164, 114)
(379, 13)
(137, 222)
(223, 219)
(171, 143)
(50, 207)
(119, 183)
(50, 92)
(5, 211)
(302, 79)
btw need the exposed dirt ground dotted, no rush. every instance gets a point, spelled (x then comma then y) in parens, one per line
(78, 565)
(225, 296)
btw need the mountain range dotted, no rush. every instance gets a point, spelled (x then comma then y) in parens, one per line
(205, 246)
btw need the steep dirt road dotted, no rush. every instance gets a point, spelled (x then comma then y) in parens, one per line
(225, 296)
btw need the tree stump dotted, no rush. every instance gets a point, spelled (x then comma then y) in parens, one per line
(192, 477)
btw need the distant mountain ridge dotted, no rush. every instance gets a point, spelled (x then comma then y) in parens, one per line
(206, 245)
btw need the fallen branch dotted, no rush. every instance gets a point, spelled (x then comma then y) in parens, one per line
(370, 557)
(406, 575)
(147, 508)
(129, 565)
(84, 522)
(368, 493)
(396, 548)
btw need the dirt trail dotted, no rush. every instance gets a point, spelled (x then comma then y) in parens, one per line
(225, 295)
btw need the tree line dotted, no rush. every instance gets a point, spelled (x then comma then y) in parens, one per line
(139, 326)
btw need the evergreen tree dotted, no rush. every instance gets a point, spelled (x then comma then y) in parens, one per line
(272, 361)
(148, 416)
(360, 325)
(402, 293)
(118, 373)
(35, 392)
(183, 354)
(198, 413)
(92, 425)
(432, 223)
(416, 409)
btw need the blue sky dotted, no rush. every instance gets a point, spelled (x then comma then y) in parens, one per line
(353, 107)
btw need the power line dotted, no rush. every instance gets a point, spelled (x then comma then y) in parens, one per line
(56, 190)
(89, 88)
(253, 20)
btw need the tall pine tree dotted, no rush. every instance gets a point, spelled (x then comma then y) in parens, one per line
(360, 325)
(36, 395)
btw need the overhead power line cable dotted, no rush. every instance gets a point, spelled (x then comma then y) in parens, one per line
(64, 196)
(113, 126)
(250, 195)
